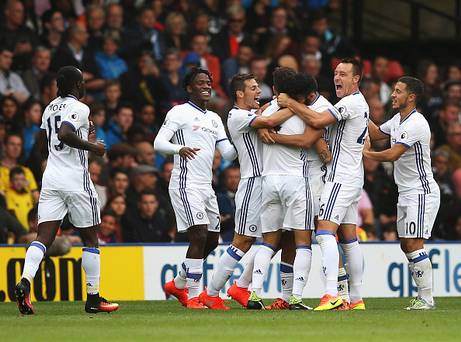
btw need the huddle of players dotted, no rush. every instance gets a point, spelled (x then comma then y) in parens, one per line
(289, 175)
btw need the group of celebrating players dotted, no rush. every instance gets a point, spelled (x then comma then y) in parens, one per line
(301, 171)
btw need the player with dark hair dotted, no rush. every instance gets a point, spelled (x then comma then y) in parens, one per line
(195, 133)
(419, 195)
(67, 189)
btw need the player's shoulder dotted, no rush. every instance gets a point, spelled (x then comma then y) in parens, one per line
(238, 112)
(80, 106)
(178, 110)
(271, 109)
(321, 104)
(416, 119)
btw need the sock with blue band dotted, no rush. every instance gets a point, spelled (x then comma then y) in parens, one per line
(180, 279)
(194, 268)
(91, 263)
(286, 276)
(224, 269)
(34, 257)
(301, 269)
(262, 261)
(421, 270)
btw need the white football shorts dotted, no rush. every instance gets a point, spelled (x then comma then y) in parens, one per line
(248, 207)
(339, 203)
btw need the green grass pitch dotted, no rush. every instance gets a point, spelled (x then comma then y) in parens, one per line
(384, 320)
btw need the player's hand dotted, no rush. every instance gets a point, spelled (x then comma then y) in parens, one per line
(283, 100)
(367, 145)
(188, 152)
(92, 133)
(265, 136)
(100, 148)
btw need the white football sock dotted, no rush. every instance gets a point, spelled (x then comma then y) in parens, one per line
(224, 269)
(245, 278)
(354, 257)
(330, 260)
(92, 266)
(262, 261)
(301, 269)
(421, 271)
(194, 269)
(286, 276)
(180, 279)
(343, 286)
(34, 256)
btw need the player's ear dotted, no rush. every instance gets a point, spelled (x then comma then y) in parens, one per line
(239, 94)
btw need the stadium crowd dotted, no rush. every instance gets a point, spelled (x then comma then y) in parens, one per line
(134, 55)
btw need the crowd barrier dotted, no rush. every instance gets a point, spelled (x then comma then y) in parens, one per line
(138, 272)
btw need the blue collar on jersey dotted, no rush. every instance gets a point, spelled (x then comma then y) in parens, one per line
(413, 111)
(316, 98)
(196, 107)
(72, 96)
(357, 92)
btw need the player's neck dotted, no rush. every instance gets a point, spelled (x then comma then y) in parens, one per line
(199, 103)
(241, 105)
(405, 112)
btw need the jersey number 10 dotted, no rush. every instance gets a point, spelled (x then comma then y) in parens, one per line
(57, 120)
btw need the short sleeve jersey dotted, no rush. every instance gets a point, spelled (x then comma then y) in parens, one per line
(196, 128)
(347, 138)
(246, 142)
(67, 167)
(282, 159)
(412, 171)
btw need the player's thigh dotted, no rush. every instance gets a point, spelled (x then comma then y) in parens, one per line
(297, 199)
(272, 211)
(189, 208)
(51, 206)
(84, 208)
(248, 207)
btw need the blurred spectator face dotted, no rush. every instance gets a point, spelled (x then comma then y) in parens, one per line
(454, 92)
(95, 172)
(369, 88)
(454, 73)
(201, 24)
(118, 205)
(390, 235)
(99, 117)
(370, 165)
(279, 19)
(259, 69)
(147, 19)
(148, 205)
(288, 61)
(14, 13)
(312, 65)
(147, 115)
(454, 136)
(96, 18)
(245, 55)
(34, 114)
(432, 75)
(172, 62)
(115, 16)
(449, 114)
(145, 180)
(57, 23)
(381, 68)
(166, 172)
(18, 182)
(146, 154)
(200, 44)
(147, 65)
(108, 224)
(232, 179)
(79, 35)
(125, 118)
(13, 147)
(113, 93)
(110, 47)
(42, 59)
(237, 22)
(175, 24)
(9, 108)
(377, 110)
(311, 45)
(440, 163)
(120, 183)
(6, 59)
(320, 26)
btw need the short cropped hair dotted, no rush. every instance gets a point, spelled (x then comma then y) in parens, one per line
(192, 74)
(414, 86)
(238, 83)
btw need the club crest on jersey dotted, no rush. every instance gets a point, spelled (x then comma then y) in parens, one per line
(74, 116)
(252, 228)
(404, 135)
(342, 109)
(199, 215)
(215, 124)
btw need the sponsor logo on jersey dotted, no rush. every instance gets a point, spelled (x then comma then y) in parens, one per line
(214, 123)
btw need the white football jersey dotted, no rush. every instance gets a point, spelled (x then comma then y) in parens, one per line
(246, 142)
(281, 159)
(412, 171)
(347, 138)
(67, 167)
(195, 128)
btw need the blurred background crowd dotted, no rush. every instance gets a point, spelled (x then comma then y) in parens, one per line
(134, 55)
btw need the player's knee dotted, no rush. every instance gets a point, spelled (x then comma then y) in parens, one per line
(243, 242)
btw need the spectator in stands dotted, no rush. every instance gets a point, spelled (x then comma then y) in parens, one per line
(454, 72)
(312, 65)
(117, 204)
(122, 156)
(11, 83)
(142, 177)
(110, 65)
(34, 75)
(377, 110)
(311, 46)
(453, 91)
(119, 125)
(165, 175)
(95, 166)
(365, 218)
(278, 27)
(172, 81)
(95, 20)
(146, 154)
(147, 120)
(114, 17)
(453, 146)
(48, 88)
(9, 110)
(74, 52)
(258, 67)
(107, 232)
(200, 25)
(389, 233)
(53, 29)
(370, 86)
(428, 72)
(449, 113)
(98, 116)
(10, 160)
(11, 227)
(226, 202)
(15, 35)
(380, 70)
(112, 94)
(119, 182)
(31, 125)
(19, 199)
(237, 65)
(149, 223)
(175, 32)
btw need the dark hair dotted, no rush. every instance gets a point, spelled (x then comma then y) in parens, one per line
(68, 78)
(125, 105)
(116, 170)
(147, 192)
(108, 212)
(301, 85)
(356, 66)
(414, 86)
(192, 74)
(238, 83)
(17, 170)
(13, 134)
(168, 160)
(281, 76)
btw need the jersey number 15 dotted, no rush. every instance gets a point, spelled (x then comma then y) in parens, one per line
(57, 121)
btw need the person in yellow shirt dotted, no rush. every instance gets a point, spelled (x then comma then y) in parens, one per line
(13, 150)
(19, 199)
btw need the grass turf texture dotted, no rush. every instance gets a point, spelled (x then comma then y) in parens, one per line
(384, 320)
